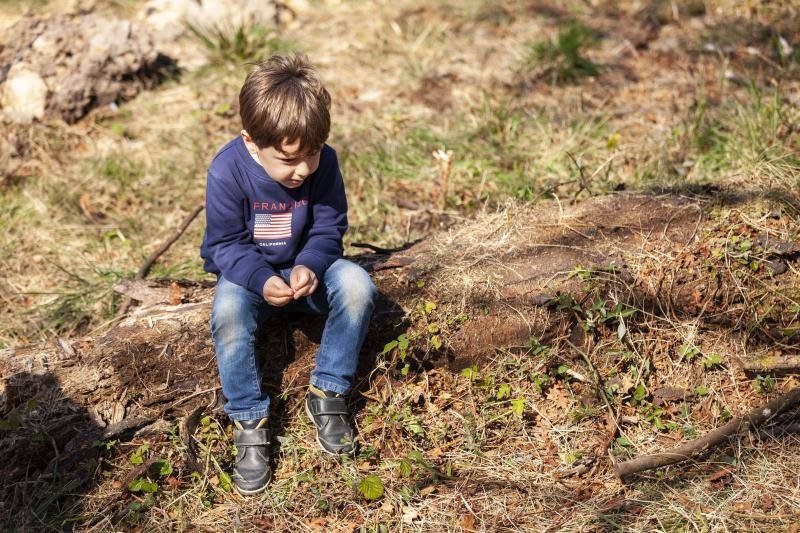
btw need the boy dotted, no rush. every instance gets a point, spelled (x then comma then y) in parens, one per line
(275, 216)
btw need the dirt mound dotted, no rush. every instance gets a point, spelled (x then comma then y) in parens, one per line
(512, 262)
(157, 360)
(66, 65)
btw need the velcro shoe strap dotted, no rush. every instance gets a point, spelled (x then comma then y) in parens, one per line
(329, 406)
(251, 437)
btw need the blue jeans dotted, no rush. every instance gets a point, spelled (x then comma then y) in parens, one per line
(346, 295)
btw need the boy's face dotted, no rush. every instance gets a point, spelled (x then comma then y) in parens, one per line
(285, 164)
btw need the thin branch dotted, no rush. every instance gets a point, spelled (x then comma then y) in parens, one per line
(145, 268)
(737, 426)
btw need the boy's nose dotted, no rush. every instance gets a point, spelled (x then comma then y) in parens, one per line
(302, 170)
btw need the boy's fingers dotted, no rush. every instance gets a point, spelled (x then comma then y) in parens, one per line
(281, 293)
(280, 288)
(279, 302)
(308, 288)
(301, 280)
(299, 293)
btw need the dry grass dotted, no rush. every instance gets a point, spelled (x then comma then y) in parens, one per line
(406, 81)
(451, 450)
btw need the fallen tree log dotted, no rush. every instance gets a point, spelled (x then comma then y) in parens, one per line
(773, 364)
(737, 426)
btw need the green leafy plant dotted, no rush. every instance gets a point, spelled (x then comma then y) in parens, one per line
(712, 361)
(599, 313)
(540, 382)
(405, 467)
(371, 487)
(225, 482)
(436, 342)
(471, 373)
(428, 307)
(400, 345)
(687, 352)
(137, 457)
(536, 347)
(763, 384)
(654, 416)
(569, 458)
(142, 485)
(403, 418)
(504, 391)
(518, 406)
(639, 394)
(581, 273)
(163, 466)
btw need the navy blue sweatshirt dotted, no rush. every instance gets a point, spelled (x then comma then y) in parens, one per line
(255, 225)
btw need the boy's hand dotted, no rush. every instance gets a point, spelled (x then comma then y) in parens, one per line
(276, 292)
(303, 281)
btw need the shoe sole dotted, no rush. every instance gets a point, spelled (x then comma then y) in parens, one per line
(250, 492)
(316, 435)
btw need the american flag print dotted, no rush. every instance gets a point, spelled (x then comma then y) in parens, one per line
(273, 225)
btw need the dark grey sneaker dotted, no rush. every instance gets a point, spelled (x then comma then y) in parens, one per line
(331, 417)
(251, 471)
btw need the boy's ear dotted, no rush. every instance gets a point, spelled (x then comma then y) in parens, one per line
(251, 146)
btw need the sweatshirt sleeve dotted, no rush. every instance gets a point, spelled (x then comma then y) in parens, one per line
(328, 205)
(228, 238)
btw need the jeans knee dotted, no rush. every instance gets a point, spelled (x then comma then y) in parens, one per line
(232, 321)
(358, 293)
(363, 293)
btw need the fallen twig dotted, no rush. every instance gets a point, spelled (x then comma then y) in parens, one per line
(186, 429)
(145, 268)
(126, 424)
(189, 397)
(782, 364)
(376, 249)
(780, 430)
(613, 417)
(139, 471)
(753, 419)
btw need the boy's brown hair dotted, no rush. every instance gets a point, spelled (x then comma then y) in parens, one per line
(283, 99)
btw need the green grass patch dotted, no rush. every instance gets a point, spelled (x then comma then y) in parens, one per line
(562, 59)
(80, 301)
(240, 43)
(501, 150)
(750, 137)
